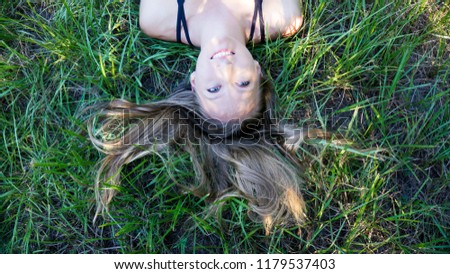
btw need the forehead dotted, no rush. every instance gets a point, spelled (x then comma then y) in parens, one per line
(232, 103)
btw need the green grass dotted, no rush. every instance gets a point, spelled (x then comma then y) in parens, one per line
(377, 71)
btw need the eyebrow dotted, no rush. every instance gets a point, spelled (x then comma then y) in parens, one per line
(214, 96)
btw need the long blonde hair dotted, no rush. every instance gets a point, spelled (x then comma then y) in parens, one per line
(254, 159)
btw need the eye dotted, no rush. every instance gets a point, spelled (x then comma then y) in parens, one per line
(243, 84)
(214, 89)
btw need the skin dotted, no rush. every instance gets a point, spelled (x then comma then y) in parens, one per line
(227, 78)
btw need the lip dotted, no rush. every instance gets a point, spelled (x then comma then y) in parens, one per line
(222, 54)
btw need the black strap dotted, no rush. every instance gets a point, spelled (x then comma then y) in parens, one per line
(258, 10)
(181, 22)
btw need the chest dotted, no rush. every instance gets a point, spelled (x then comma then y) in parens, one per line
(160, 16)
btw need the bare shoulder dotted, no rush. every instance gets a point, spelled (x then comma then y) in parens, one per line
(283, 17)
(157, 18)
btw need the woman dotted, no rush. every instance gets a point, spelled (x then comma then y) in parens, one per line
(223, 119)
(227, 79)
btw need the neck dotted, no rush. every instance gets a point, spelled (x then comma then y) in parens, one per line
(219, 24)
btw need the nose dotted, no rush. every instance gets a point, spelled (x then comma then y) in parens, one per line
(225, 61)
(225, 67)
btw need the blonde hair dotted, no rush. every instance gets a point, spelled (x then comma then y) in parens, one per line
(254, 159)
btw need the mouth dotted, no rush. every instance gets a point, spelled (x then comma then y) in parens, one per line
(221, 54)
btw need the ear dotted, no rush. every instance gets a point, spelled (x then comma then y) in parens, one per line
(192, 80)
(258, 68)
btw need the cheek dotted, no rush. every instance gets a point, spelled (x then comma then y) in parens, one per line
(202, 63)
(204, 73)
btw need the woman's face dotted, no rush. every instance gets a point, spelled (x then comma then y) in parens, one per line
(227, 81)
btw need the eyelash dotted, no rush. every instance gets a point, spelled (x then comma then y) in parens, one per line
(214, 89)
(244, 84)
(217, 89)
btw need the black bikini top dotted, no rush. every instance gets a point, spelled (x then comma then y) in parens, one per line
(182, 22)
